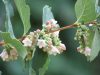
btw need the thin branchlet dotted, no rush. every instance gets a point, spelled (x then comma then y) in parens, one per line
(60, 29)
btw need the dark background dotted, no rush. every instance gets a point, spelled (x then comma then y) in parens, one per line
(69, 62)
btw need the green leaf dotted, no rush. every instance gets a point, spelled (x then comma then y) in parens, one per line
(44, 68)
(24, 12)
(14, 42)
(97, 7)
(47, 14)
(90, 37)
(9, 13)
(31, 70)
(40, 61)
(85, 10)
(95, 45)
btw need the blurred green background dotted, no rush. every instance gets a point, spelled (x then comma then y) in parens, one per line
(69, 62)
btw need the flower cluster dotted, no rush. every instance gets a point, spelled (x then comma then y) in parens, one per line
(51, 25)
(7, 55)
(82, 36)
(86, 51)
(30, 42)
(49, 43)
(31, 39)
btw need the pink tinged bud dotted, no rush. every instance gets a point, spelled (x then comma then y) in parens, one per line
(38, 30)
(62, 46)
(48, 27)
(41, 43)
(4, 55)
(49, 22)
(27, 42)
(53, 51)
(87, 51)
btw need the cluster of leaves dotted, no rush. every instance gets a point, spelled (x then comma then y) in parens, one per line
(84, 15)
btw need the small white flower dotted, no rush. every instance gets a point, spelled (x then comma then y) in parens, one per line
(53, 21)
(53, 51)
(62, 46)
(87, 51)
(4, 55)
(90, 25)
(41, 43)
(27, 42)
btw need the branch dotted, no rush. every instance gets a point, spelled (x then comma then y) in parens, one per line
(71, 26)
(63, 28)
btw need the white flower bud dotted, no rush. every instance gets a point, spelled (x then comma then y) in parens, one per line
(53, 51)
(4, 55)
(87, 51)
(27, 42)
(38, 30)
(41, 43)
(62, 46)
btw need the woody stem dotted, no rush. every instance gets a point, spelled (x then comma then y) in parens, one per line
(63, 28)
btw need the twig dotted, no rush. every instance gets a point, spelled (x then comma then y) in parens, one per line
(63, 28)
(71, 26)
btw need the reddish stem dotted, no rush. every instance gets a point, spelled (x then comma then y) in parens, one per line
(63, 28)
(1, 43)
